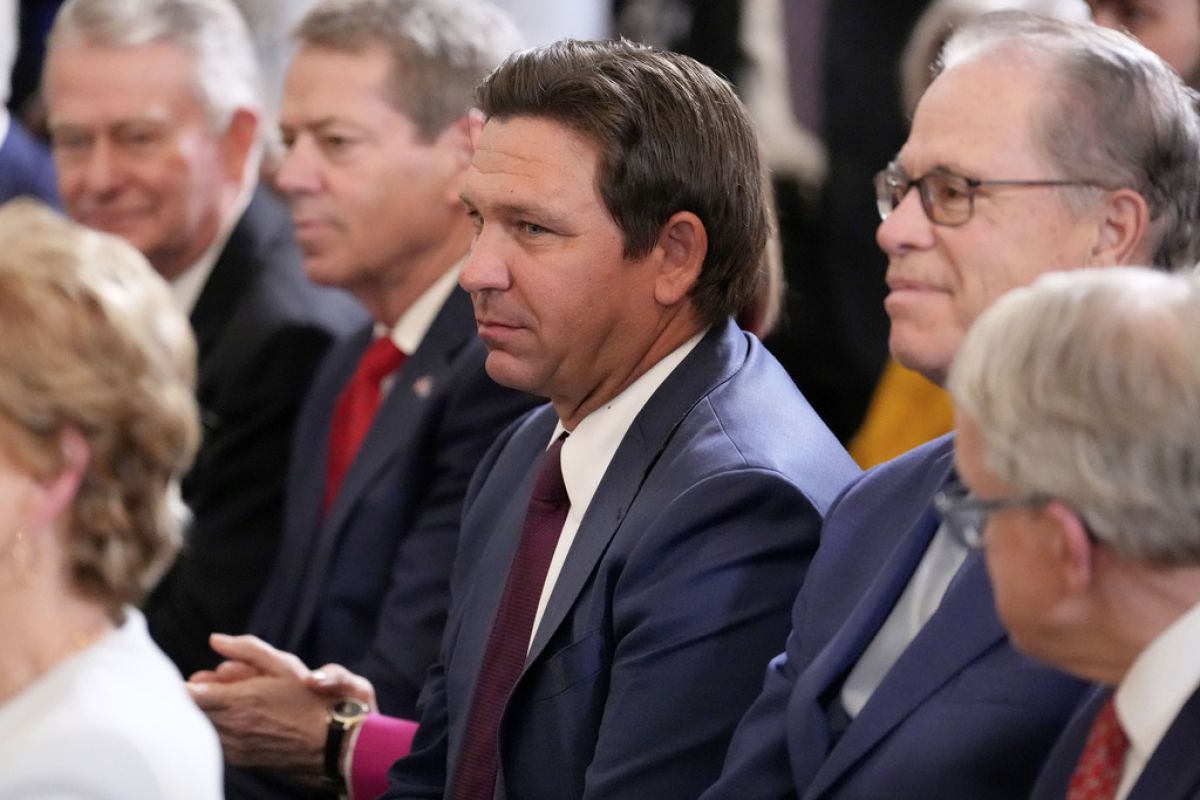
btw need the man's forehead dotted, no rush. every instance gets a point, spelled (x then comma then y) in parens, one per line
(975, 118)
(150, 79)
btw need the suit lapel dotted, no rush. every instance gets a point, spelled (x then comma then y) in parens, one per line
(400, 414)
(964, 626)
(503, 516)
(830, 666)
(714, 360)
(229, 278)
(1171, 773)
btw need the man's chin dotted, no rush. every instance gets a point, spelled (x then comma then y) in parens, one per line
(508, 371)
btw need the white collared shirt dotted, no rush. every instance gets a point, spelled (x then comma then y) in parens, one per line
(414, 323)
(1161, 681)
(589, 450)
(921, 598)
(187, 285)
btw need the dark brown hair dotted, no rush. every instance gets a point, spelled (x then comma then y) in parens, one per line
(672, 136)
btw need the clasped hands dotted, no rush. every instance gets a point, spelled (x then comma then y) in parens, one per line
(270, 710)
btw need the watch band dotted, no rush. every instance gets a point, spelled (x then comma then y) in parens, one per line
(344, 716)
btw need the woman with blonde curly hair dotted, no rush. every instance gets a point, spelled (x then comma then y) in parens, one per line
(97, 421)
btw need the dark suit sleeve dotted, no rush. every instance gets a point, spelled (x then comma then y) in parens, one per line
(414, 610)
(701, 607)
(235, 491)
(757, 762)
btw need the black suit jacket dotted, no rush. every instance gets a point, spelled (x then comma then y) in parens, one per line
(674, 593)
(261, 328)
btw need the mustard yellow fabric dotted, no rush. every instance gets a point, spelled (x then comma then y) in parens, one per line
(906, 410)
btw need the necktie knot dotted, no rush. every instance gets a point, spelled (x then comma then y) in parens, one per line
(381, 359)
(548, 486)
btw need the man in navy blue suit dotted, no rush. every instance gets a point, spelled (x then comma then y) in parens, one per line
(378, 138)
(1040, 146)
(620, 220)
(1079, 441)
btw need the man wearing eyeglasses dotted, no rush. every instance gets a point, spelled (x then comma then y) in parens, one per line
(1041, 146)
(1086, 496)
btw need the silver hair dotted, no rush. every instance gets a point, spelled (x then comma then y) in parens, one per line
(940, 19)
(440, 49)
(1086, 387)
(212, 31)
(1114, 113)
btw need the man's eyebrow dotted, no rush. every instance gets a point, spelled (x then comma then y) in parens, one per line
(520, 211)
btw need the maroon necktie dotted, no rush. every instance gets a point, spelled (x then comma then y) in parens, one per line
(356, 407)
(1099, 771)
(508, 643)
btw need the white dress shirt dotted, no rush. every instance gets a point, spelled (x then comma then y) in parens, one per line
(414, 323)
(187, 285)
(916, 605)
(590, 449)
(1162, 679)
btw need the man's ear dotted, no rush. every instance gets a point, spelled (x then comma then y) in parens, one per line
(457, 143)
(1123, 224)
(1073, 547)
(459, 138)
(682, 244)
(238, 141)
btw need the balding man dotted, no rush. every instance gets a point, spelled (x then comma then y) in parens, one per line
(1041, 145)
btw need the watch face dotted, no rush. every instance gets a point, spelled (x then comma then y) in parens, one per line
(348, 709)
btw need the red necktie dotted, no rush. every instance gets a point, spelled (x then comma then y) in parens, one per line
(508, 643)
(356, 407)
(1099, 771)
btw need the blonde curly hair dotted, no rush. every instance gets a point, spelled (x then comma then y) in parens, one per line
(93, 342)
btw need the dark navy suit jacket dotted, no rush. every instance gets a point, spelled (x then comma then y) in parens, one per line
(1172, 773)
(960, 715)
(673, 595)
(261, 328)
(25, 167)
(367, 584)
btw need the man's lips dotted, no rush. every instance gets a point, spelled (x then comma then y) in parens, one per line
(308, 226)
(909, 285)
(494, 331)
(112, 218)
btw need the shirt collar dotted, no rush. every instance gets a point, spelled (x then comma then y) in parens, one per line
(187, 286)
(591, 446)
(414, 323)
(1159, 683)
